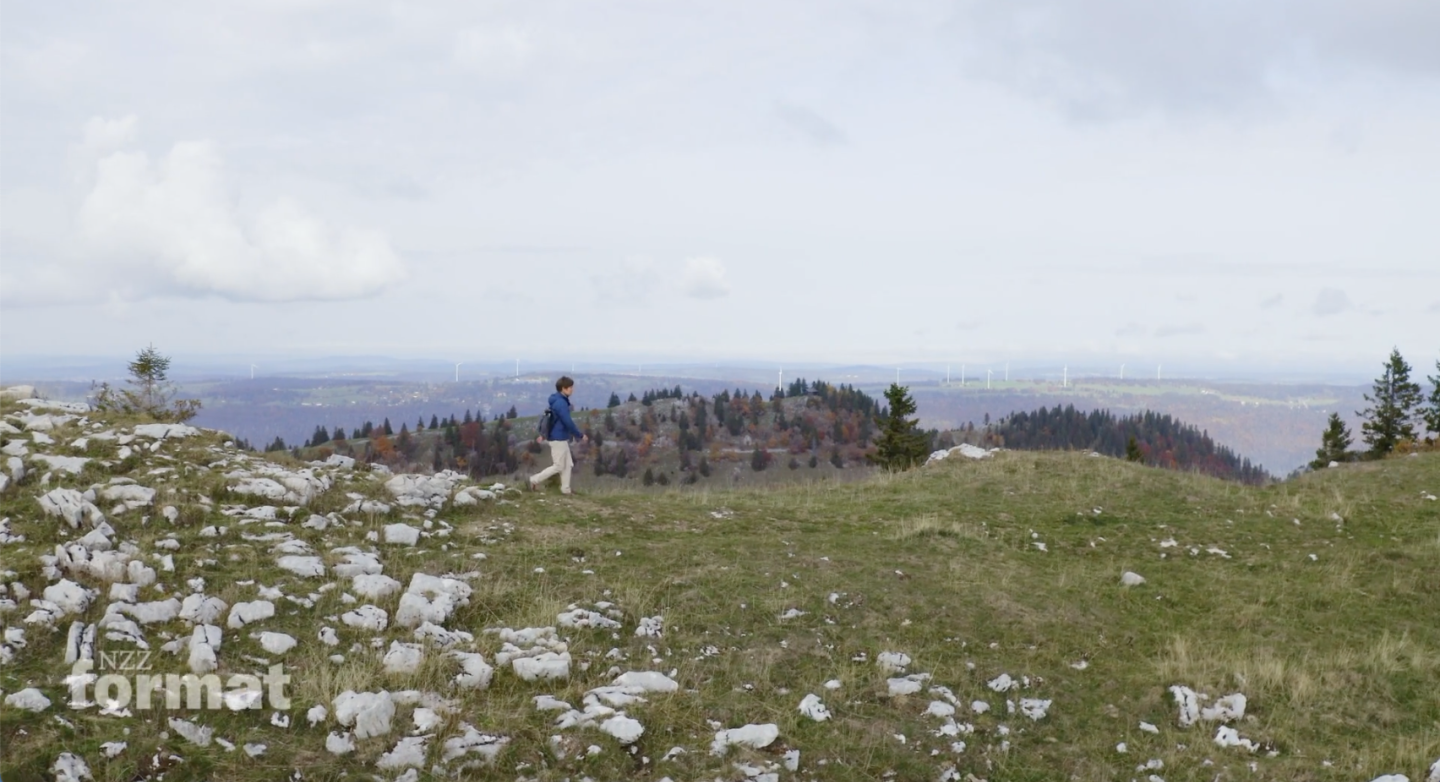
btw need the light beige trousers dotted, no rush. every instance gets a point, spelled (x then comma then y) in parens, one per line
(560, 462)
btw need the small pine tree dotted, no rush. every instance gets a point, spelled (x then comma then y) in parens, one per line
(759, 460)
(632, 397)
(1387, 421)
(1132, 451)
(814, 461)
(434, 422)
(901, 445)
(662, 479)
(152, 393)
(704, 468)
(385, 427)
(648, 478)
(614, 400)
(1334, 444)
(512, 413)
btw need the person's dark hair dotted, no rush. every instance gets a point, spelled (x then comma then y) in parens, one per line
(563, 383)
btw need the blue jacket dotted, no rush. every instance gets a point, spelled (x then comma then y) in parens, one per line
(564, 428)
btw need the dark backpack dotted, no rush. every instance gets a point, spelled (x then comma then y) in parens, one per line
(547, 422)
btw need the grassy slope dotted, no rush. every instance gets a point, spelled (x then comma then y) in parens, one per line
(1340, 657)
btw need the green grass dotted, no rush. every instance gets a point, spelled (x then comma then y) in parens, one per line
(1339, 657)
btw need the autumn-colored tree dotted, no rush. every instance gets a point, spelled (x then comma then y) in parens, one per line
(384, 449)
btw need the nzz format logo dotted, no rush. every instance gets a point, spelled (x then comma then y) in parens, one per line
(127, 681)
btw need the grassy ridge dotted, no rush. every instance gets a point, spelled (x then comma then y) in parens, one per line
(1339, 655)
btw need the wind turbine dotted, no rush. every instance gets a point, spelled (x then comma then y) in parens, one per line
(1007, 371)
(517, 369)
(1065, 377)
(252, 371)
(1122, 371)
(962, 375)
(457, 370)
(988, 373)
(1157, 371)
(897, 376)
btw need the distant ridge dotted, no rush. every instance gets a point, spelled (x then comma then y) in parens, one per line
(1163, 440)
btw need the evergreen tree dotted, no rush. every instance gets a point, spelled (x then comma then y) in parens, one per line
(649, 478)
(367, 430)
(319, 437)
(663, 479)
(468, 418)
(512, 412)
(339, 433)
(759, 459)
(420, 424)
(1387, 420)
(1431, 414)
(704, 468)
(1334, 444)
(434, 422)
(632, 397)
(1132, 451)
(278, 445)
(901, 445)
(385, 427)
(614, 400)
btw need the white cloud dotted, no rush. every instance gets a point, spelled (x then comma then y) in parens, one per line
(173, 225)
(1330, 301)
(704, 278)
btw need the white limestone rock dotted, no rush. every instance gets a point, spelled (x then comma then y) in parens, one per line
(28, 699)
(71, 768)
(195, 734)
(409, 752)
(403, 657)
(752, 736)
(368, 712)
(374, 586)
(242, 614)
(366, 617)
(305, 567)
(475, 673)
(277, 643)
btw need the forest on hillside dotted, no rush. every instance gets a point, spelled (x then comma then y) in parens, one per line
(669, 435)
(1158, 440)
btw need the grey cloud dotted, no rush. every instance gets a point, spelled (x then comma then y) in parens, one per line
(1330, 301)
(1130, 330)
(1272, 302)
(815, 128)
(1107, 58)
(1434, 307)
(1179, 330)
(969, 325)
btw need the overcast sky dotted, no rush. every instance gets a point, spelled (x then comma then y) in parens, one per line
(1218, 180)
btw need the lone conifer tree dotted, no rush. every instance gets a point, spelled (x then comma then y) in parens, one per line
(1334, 444)
(1387, 421)
(901, 444)
(153, 394)
(1133, 452)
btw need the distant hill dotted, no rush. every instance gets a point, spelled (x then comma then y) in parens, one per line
(1162, 440)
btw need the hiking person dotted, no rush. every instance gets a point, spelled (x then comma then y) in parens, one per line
(561, 430)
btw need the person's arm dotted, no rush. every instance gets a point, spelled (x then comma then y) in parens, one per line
(562, 411)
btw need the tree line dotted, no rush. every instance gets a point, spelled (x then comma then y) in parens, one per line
(1398, 413)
